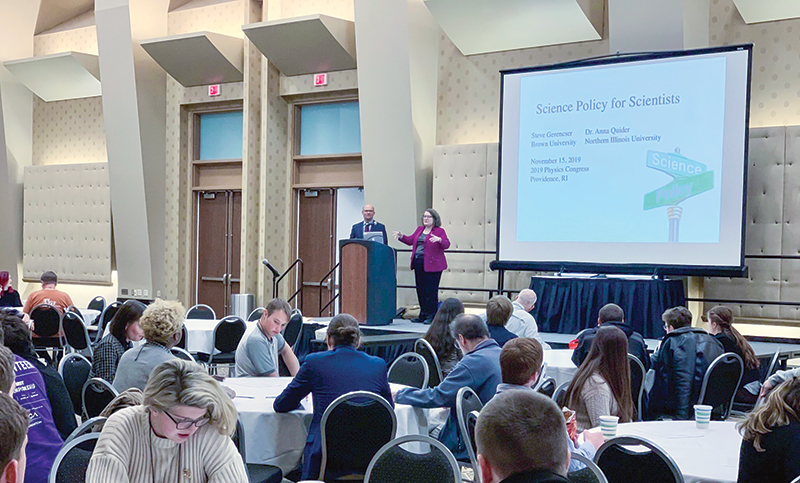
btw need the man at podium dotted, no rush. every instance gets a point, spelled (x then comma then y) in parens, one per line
(362, 229)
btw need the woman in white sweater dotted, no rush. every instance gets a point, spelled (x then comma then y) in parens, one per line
(602, 385)
(180, 434)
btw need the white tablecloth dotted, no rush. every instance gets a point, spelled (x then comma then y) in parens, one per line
(200, 332)
(709, 455)
(559, 365)
(89, 315)
(279, 438)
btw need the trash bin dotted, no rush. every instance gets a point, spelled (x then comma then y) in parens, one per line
(242, 304)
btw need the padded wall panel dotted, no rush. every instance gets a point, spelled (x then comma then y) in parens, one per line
(791, 195)
(67, 222)
(765, 191)
(790, 288)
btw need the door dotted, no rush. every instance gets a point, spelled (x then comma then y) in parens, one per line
(218, 229)
(316, 246)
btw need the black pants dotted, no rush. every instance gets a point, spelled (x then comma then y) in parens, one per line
(427, 289)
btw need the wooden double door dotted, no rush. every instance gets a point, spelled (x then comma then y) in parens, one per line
(218, 247)
(316, 245)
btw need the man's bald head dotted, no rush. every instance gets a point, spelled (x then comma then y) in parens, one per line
(527, 298)
(368, 212)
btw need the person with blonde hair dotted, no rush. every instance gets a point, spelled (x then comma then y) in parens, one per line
(770, 436)
(162, 323)
(182, 433)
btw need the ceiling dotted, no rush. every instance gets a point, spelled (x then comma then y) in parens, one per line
(56, 12)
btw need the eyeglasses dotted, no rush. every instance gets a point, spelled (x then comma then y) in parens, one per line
(427, 216)
(187, 423)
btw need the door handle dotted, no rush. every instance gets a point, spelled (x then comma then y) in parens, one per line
(213, 279)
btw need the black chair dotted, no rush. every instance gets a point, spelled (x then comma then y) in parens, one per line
(227, 334)
(255, 314)
(774, 363)
(73, 459)
(292, 331)
(75, 332)
(97, 303)
(96, 395)
(91, 424)
(468, 402)
(546, 386)
(720, 384)
(623, 465)
(591, 474)
(393, 464)
(47, 326)
(184, 334)
(182, 354)
(108, 313)
(560, 393)
(201, 311)
(74, 369)
(637, 383)
(410, 369)
(425, 349)
(354, 427)
(255, 472)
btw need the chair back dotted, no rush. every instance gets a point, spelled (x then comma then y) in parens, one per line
(546, 386)
(201, 311)
(468, 402)
(425, 349)
(621, 464)
(75, 331)
(228, 333)
(410, 369)
(637, 383)
(98, 303)
(292, 331)
(255, 314)
(595, 474)
(96, 395)
(184, 334)
(560, 393)
(73, 459)
(87, 426)
(46, 320)
(74, 369)
(720, 384)
(182, 354)
(354, 427)
(238, 439)
(774, 362)
(392, 463)
(108, 313)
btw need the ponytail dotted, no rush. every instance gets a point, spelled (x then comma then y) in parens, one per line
(723, 317)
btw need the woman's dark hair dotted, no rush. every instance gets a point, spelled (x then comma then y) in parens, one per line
(343, 330)
(437, 220)
(130, 312)
(16, 334)
(609, 358)
(723, 317)
(439, 334)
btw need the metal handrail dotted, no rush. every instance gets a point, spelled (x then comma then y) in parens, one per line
(324, 277)
(299, 291)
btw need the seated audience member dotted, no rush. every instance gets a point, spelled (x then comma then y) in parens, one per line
(776, 379)
(521, 321)
(13, 434)
(522, 438)
(771, 436)
(44, 442)
(48, 295)
(123, 328)
(162, 323)
(8, 296)
(520, 362)
(182, 433)
(720, 325)
(612, 315)
(479, 369)
(17, 337)
(328, 375)
(440, 336)
(680, 364)
(257, 354)
(602, 384)
(498, 310)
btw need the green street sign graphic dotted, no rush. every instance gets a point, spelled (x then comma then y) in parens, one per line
(674, 165)
(678, 190)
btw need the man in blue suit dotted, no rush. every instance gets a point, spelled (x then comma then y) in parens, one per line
(368, 225)
(479, 369)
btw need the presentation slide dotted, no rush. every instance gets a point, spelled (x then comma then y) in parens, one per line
(638, 162)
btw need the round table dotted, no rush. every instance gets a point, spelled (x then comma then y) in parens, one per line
(709, 455)
(279, 438)
(559, 365)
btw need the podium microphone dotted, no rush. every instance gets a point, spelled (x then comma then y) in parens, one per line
(270, 267)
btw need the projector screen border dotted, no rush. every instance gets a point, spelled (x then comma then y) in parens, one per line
(621, 269)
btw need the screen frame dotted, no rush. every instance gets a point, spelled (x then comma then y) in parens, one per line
(630, 268)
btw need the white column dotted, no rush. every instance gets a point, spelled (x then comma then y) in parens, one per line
(649, 25)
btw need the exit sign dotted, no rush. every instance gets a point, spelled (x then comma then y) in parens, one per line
(320, 80)
(213, 90)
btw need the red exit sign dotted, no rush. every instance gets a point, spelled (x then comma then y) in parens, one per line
(320, 80)
(213, 90)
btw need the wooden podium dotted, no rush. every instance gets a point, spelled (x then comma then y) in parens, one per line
(367, 281)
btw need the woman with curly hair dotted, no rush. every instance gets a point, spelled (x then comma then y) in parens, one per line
(182, 433)
(162, 322)
(771, 436)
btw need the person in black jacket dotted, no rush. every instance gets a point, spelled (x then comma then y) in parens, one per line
(8, 296)
(612, 314)
(680, 365)
(17, 337)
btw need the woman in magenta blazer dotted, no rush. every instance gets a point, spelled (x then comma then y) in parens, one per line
(427, 260)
